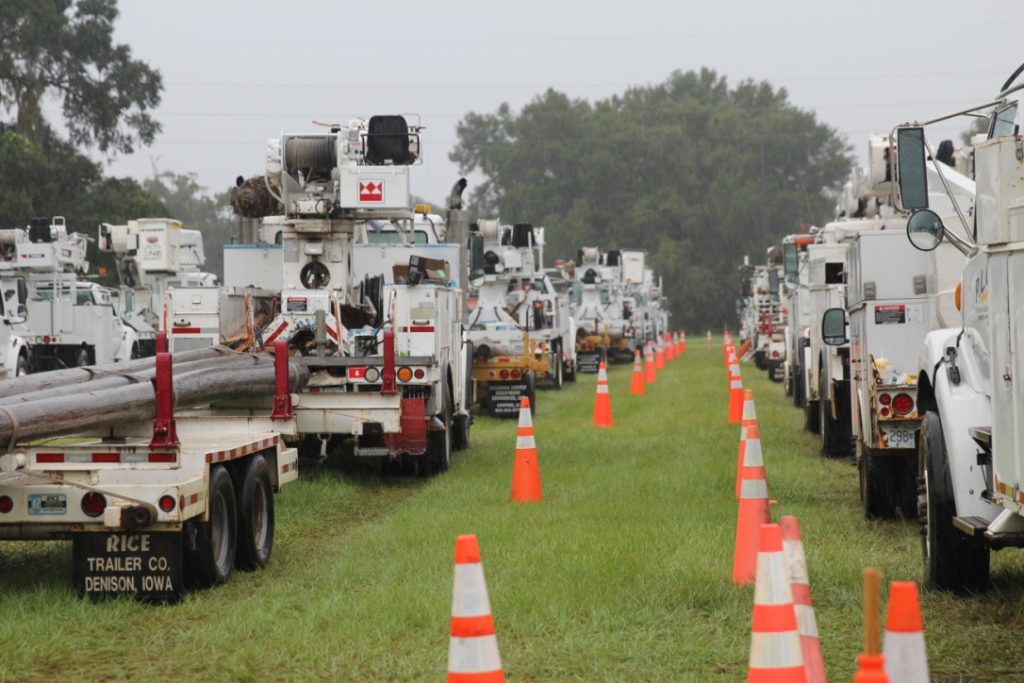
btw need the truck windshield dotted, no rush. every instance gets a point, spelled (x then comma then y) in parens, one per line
(791, 263)
(1003, 123)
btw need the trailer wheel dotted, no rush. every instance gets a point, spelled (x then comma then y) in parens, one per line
(952, 561)
(210, 561)
(255, 515)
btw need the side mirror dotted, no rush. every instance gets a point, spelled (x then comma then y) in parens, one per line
(833, 327)
(910, 168)
(925, 229)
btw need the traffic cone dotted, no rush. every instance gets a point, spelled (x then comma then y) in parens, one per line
(472, 648)
(807, 625)
(682, 343)
(748, 419)
(775, 655)
(905, 658)
(603, 400)
(526, 470)
(750, 454)
(670, 348)
(735, 400)
(650, 374)
(659, 354)
(744, 347)
(636, 385)
(753, 512)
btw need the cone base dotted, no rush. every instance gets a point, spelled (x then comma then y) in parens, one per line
(526, 486)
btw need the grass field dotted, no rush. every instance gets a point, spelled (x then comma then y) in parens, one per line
(621, 574)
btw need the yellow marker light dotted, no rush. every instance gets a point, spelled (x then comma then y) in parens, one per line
(423, 208)
(404, 374)
(956, 295)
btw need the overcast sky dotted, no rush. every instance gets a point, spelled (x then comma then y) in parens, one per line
(237, 73)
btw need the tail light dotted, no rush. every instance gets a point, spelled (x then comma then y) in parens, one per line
(515, 374)
(903, 404)
(404, 374)
(418, 373)
(166, 503)
(884, 399)
(6, 504)
(93, 504)
(503, 374)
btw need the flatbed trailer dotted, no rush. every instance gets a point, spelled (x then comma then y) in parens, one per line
(154, 507)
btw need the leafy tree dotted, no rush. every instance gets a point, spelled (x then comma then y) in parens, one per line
(64, 50)
(978, 126)
(695, 172)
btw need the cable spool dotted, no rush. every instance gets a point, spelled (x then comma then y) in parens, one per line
(489, 229)
(315, 156)
(589, 255)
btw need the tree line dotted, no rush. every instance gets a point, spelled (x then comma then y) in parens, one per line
(696, 172)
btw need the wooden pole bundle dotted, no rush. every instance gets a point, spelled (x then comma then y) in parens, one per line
(83, 408)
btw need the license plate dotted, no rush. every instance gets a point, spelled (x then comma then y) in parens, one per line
(900, 437)
(47, 504)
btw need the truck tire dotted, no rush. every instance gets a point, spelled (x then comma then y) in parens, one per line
(210, 556)
(952, 560)
(759, 360)
(569, 371)
(773, 369)
(255, 495)
(812, 421)
(787, 382)
(835, 440)
(559, 379)
(531, 391)
(798, 387)
(82, 358)
(460, 431)
(438, 457)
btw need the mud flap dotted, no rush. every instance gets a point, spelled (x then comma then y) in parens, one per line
(146, 566)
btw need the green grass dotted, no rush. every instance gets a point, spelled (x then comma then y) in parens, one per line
(621, 574)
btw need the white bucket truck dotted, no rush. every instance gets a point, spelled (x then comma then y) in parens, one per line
(971, 377)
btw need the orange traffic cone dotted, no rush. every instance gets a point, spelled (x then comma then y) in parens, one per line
(670, 348)
(472, 648)
(748, 420)
(735, 400)
(871, 663)
(636, 385)
(650, 374)
(905, 657)
(682, 343)
(744, 347)
(753, 512)
(526, 470)
(603, 400)
(750, 455)
(807, 625)
(774, 641)
(659, 354)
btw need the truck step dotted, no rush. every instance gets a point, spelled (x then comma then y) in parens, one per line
(371, 452)
(972, 526)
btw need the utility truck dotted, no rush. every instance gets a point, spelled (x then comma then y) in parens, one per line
(159, 488)
(151, 257)
(68, 321)
(970, 376)
(604, 317)
(384, 349)
(521, 328)
(796, 304)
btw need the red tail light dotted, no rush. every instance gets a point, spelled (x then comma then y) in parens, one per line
(884, 399)
(515, 374)
(503, 374)
(166, 503)
(903, 404)
(6, 504)
(93, 504)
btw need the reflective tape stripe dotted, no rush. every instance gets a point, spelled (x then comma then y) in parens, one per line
(905, 657)
(801, 591)
(775, 650)
(749, 413)
(602, 388)
(806, 624)
(524, 431)
(753, 488)
(483, 677)
(525, 420)
(772, 587)
(752, 456)
(525, 442)
(473, 655)
(794, 551)
(469, 597)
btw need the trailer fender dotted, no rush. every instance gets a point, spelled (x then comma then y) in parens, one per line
(960, 407)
